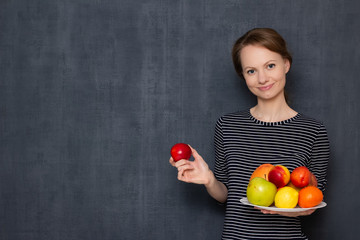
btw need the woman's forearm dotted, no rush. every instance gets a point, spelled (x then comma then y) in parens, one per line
(216, 189)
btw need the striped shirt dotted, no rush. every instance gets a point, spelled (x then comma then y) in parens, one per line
(242, 143)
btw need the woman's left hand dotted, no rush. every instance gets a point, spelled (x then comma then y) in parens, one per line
(288, 214)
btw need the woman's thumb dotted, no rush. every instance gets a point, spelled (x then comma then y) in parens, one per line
(194, 152)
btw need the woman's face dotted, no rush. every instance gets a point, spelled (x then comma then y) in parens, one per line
(264, 71)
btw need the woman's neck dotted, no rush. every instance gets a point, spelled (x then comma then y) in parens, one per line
(272, 111)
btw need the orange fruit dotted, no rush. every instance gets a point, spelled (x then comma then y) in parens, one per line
(310, 197)
(262, 171)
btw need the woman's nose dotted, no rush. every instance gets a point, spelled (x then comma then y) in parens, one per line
(262, 77)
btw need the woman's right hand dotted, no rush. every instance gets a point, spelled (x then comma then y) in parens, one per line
(196, 171)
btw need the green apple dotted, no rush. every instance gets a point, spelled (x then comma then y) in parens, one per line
(261, 192)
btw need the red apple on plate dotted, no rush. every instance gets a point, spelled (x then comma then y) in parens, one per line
(279, 175)
(180, 151)
(300, 176)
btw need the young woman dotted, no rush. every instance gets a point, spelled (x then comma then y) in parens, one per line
(270, 132)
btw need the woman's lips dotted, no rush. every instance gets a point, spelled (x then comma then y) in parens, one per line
(265, 88)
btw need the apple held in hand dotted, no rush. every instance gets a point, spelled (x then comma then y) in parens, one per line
(180, 151)
(279, 175)
(261, 192)
(300, 177)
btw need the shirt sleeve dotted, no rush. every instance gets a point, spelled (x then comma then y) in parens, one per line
(320, 157)
(220, 169)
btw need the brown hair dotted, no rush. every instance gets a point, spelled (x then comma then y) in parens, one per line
(265, 37)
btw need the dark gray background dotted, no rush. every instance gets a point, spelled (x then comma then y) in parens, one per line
(93, 93)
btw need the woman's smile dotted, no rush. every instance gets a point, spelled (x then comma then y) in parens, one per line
(265, 88)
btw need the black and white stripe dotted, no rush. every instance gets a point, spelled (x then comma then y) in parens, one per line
(242, 143)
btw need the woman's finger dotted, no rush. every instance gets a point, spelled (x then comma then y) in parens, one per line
(194, 152)
(308, 212)
(182, 176)
(185, 167)
(182, 162)
(172, 162)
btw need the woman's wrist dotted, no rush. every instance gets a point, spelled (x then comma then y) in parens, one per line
(216, 189)
(210, 179)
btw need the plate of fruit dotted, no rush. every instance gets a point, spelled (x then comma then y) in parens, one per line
(274, 188)
(273, 208)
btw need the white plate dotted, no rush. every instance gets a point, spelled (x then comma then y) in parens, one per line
(296, 209)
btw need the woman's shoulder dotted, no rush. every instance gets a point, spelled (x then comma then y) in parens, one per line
(309, 121)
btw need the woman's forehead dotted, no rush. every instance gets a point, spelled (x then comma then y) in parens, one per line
(253, 54)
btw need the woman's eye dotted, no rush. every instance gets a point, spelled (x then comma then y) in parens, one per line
(271, 65)
(251, 71)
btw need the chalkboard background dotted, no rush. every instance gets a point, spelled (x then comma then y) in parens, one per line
(93, 93)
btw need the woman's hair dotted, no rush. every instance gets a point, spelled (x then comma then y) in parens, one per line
(265, 37)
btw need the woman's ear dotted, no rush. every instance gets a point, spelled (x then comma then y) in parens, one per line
(287, 65)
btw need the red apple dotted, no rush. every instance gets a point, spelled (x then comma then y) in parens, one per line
(279, 175)
(180, 151)
(300, 176)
